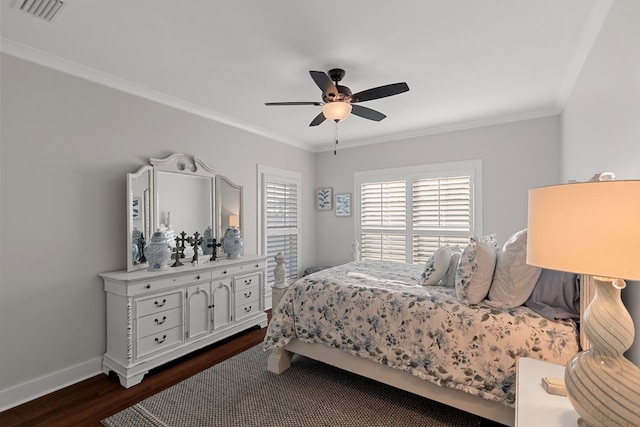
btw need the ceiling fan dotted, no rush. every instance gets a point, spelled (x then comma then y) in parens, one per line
(338, 102)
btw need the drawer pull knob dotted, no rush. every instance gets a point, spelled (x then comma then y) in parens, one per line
(224, 272)
(160, 341)
(160, 304)
(160, 322)
(247, 281)
(148, 286)
(198, 277)
(247, 294)
(247, 309)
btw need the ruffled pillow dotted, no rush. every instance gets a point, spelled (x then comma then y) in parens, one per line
(514, 279)
(436, 267)
(475, 271)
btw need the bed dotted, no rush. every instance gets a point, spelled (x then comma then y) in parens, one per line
(377, 319)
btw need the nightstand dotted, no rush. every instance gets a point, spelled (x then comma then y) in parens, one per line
(534, 406)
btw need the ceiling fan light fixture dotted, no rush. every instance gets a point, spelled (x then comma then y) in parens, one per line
(336, 111)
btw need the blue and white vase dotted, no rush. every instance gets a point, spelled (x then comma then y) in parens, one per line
(232, 242)
(158, 251)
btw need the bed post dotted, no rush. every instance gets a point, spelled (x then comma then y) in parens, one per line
(279, 360)
(587, 291)
(355, 251)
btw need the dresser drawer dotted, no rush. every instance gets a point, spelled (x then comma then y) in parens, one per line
(168, 282)
(246, 296)
(158, 303)
(246, 309)
(159, 322)
(246, 282)
(239, 269)
(160, 341)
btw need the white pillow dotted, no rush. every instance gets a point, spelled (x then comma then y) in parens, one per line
(514, 279)
(449, 279)
(475, 271)
(436, 267)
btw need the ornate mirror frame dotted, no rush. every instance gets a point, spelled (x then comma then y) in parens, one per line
(216, 199)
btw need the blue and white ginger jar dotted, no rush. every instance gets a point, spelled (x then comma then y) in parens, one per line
(158, 251)
(232, 242)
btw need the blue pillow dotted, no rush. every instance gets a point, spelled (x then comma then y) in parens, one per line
(556, 295)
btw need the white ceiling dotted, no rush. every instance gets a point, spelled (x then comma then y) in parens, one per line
(467, 62)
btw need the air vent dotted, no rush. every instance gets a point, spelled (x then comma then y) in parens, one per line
(43, 9)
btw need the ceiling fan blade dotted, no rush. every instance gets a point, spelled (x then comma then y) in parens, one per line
(324, 82)
(380, 92)
(367, 113)
(293, 103)
(319, 119)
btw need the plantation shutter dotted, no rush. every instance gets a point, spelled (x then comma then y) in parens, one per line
(383, 216)
(282, 226)
(442, 214)
(406, 215)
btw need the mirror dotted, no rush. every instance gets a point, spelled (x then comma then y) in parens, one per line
(139, 214)
(179, 194)
(184, 202)
(229, 204)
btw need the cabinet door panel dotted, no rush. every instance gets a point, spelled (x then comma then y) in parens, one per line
(222, 310)
(198, 311)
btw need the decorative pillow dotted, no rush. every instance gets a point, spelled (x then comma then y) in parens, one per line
(449, 279)
(556, 295)
(491, 239)
(436, 266)
(514, 279)
(475, 271)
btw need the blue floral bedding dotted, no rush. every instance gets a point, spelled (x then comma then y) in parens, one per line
(376, 310)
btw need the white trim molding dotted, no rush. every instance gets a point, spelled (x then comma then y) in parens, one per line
(25, 392)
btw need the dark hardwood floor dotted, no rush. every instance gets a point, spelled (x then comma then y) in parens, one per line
(88, 402)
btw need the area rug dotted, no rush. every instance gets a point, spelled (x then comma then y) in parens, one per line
(240, 392)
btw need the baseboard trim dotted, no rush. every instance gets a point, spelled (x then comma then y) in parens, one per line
(25, 392)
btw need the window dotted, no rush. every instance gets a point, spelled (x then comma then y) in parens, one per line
(406, 214)
(280, 223)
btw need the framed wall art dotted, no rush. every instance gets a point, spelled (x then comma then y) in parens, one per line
(324, 198)
(343, 204)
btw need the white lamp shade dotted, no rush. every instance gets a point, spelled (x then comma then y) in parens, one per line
(336, 111)
(234, 221)
(589, 228)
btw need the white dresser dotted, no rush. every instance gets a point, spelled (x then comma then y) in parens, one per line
(155, 317)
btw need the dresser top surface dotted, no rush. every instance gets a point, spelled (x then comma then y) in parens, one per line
(187, 267)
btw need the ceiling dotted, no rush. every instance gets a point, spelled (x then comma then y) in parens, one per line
(468, 63)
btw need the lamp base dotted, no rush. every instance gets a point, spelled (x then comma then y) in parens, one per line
(604, 390)
(603, 386)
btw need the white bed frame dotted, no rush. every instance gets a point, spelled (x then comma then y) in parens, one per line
(280, 360)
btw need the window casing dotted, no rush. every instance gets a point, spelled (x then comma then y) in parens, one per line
(406, 214)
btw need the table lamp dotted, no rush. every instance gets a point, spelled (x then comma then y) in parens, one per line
(594, 228)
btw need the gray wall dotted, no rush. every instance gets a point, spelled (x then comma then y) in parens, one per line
(67, 145)
(601, 121)
(515, 156)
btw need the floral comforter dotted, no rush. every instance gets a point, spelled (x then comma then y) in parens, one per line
(378, 311)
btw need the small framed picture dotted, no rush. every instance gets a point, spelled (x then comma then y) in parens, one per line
(324, 197)
(343, 204)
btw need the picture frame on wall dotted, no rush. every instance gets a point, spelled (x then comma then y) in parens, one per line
(324, 198)
(343, 204)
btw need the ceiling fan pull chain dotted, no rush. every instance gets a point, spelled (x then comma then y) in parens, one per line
(335, 137)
